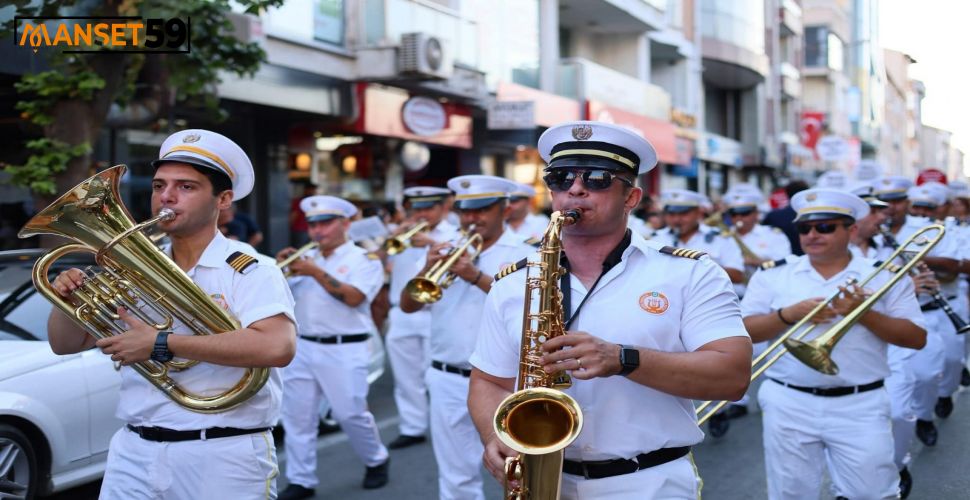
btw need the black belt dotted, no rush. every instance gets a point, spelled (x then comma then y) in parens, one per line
(338, 339)
(610, 468)
(438, 365)
(161, 434)
(934, 305)
(833, 391)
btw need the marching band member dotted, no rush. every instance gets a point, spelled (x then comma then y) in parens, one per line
(333, 286)
(960, 211)
(165, 450)
(650, 328)
(808, 416)
(407, 334)
(482, 201)
(682, 210)
(521, 219)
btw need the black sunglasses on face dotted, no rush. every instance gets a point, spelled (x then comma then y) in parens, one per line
(820, 228)
(741, 211)
(594, 180)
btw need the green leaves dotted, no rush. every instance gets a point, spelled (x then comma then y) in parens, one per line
(42, 91)
(49, 157)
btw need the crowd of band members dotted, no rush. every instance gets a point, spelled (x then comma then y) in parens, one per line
(694, 317)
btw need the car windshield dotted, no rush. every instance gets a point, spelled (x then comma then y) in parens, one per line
(23, 311)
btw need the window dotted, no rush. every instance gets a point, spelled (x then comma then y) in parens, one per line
(816, 51)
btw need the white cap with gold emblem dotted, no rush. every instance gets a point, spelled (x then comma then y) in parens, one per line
(958, 189)
(478, 191)
(425, 196)
(522, 191)
(207, 149)
(891, 187)
(928, 194)
(588, 144)
(822, 204)
(321, 208)
(680, 200)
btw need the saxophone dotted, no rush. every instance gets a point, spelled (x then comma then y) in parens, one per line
(539, 420)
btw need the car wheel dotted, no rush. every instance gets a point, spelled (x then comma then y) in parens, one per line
(18, 464)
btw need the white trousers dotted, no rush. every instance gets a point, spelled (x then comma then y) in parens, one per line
(927, 369)
(457, 446)
(954, 349)
(673, 480)
(803, 432)
(407, 350)
(901, 385)
(242, 467)
(338, 371)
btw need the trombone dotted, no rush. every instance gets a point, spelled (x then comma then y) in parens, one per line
(429, 287)
(817, 353)
(397, 244)
(285, 263)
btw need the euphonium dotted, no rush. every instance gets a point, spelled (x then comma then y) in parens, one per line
(430, 286)
(136, 275)
(284, 264)
(401, 242)
(539, 420)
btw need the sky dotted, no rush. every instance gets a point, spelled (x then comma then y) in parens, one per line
(937, 34)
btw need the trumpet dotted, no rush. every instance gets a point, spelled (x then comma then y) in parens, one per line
(938, 298)
(285, 263)
(717, 220)
(817, 353)
(402, 242)
(429, 287)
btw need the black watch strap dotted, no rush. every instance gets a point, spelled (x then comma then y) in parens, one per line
(160, 352)
(629, 360)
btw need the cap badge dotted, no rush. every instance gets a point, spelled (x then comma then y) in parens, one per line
(191, 138)
(811, 197)
(582, 132)
(466, 184)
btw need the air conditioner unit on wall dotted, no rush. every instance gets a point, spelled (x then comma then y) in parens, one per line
(424, 56)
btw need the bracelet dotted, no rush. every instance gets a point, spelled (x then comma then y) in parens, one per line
(782, 318)
(477, 278)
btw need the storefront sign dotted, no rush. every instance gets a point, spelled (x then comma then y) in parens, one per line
(718, 149)
(662, 135)
(511, 115)
(930, 175)
(549, 109)
(832, 148)
(424, 116)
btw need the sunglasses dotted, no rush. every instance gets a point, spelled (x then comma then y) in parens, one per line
(594, 180)
(741, 211)
(820, 228)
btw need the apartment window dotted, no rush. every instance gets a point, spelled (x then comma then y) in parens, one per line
(328, 21)
(823, 49)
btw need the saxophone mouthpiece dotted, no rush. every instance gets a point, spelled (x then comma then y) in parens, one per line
(572, 215)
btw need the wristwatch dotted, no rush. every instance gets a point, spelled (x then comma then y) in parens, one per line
(629, 359)
(160, 352)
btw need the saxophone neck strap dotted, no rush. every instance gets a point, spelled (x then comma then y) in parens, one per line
(611, 260)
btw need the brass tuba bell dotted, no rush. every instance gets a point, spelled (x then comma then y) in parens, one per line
(136, 275)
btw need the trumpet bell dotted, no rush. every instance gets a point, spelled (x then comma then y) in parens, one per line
(818, 357)
(424, 290)
(394, 246)
(538, 421)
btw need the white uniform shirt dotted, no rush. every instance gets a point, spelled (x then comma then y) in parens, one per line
(648, 299)
(455, 316)
(320, 314)
(768, 243)
(258, 294)
(860, 355)
(722, 249)
(532, 227)
(948, 247)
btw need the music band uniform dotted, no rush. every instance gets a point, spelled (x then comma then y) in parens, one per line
(407, 334)
(804, 430)
(242, 466)
(332, 355)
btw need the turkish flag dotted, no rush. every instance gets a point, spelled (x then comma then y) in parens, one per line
(810, 128)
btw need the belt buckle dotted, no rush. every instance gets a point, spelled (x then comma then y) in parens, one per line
(585, 470)
(338, 339)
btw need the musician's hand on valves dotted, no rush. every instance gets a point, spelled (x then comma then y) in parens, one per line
(799, 310)
(67, 281)
(587, 357)
(925, 281)
(421, 240)
(494, 457)
(465, 269)
(848, 300)
(303, 267)
(284, 253)
(133, 345)
(437, 252)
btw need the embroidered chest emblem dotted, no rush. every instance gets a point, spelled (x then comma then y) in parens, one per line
(654, 302)
(220, 299)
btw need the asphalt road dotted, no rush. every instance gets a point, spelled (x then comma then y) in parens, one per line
(732, 467)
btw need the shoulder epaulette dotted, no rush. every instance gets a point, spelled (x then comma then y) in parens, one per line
(373, 256)
(772, 263)
(511, 268)
(776, 229)
(534, 242)
(241, 262)
(683, 252)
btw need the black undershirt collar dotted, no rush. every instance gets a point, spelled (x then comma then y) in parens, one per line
(612, 259)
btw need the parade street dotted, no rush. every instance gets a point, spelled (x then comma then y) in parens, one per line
(732, 467)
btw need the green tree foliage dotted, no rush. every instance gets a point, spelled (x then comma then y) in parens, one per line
(69, 102)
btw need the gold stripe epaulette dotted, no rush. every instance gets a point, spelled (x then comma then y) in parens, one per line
(511, 268)
(772, 264)
(241, 262)
(683, 252)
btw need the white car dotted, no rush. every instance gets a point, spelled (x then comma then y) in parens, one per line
(56, 412)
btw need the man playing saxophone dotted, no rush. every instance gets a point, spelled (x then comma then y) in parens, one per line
(165, 450)
(482, 202)
(649, 328)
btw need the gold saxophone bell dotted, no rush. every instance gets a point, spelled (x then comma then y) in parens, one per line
(136, 275)
(817, 354)
(429, 287)
(539, 420)
(402, 242)
(284, 264)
